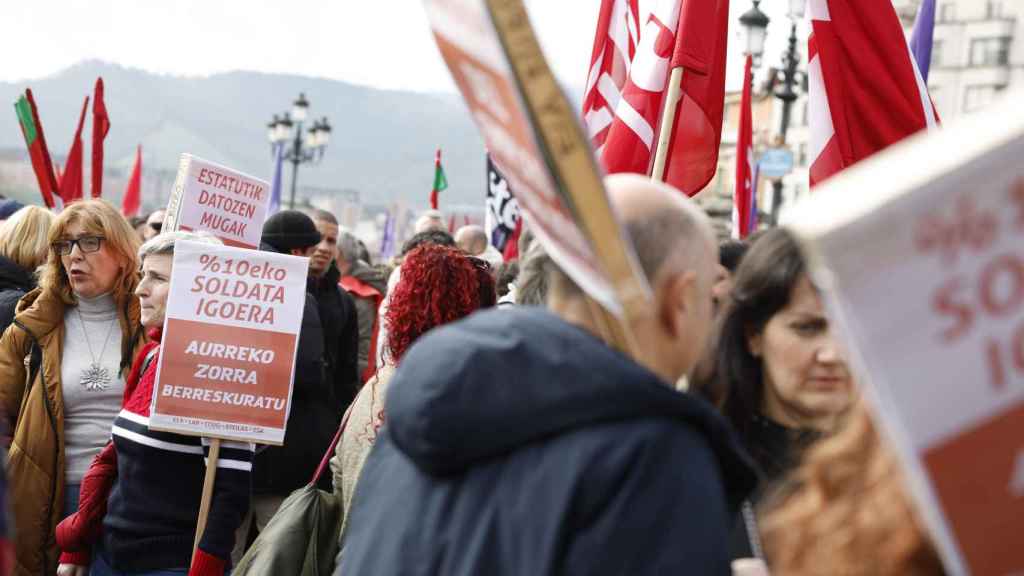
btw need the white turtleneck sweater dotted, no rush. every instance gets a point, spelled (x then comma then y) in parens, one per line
(88, 414)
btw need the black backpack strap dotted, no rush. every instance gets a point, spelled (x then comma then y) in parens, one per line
(36, 355)
(147, 361)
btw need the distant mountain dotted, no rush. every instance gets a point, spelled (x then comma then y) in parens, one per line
(382, 143)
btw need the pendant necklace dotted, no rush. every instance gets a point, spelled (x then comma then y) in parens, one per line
(96, 377)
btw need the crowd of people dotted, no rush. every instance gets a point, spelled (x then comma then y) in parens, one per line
(485, 427)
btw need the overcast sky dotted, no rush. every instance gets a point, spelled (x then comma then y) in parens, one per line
(380, 43)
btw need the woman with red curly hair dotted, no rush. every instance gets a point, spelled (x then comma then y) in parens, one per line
(439, 284)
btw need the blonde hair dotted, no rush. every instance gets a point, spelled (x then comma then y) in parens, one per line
(847, 512)
(98, 217)
(24, 237)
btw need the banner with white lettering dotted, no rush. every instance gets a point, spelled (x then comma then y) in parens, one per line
(229, 343)
(502, 212)
(919, 250)
(227, 203)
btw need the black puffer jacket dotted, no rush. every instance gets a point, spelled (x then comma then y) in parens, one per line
(341, 337)
(279, 470)
(15, 282)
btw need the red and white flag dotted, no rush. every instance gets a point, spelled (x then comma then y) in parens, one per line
(866, 91)
(614, 46)
(701, 41)
(630, 144)
(744, 194)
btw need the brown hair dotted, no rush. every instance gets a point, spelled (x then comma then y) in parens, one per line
(847, 512)
(98, 217)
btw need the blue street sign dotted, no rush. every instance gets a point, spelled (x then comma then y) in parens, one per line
(776, 162)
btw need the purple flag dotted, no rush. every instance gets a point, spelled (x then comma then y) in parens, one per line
(387, 241)
(921, 38)
(752, 226)
(275, 181)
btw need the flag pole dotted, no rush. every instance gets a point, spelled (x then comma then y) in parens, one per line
(668, 120)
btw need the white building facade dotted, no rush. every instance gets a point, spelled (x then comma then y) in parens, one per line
(977, 54)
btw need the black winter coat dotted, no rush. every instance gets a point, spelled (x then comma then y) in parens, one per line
(312, 422)
(15, 282)
(341, 337)
(515, 443)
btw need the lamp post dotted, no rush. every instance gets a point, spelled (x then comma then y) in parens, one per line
(304, 148)
(755, 26)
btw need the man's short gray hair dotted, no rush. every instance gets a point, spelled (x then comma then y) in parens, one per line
(658, 237)
(348, 246)
(164, 243)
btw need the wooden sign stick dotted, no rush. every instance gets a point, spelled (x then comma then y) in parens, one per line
(204, 504)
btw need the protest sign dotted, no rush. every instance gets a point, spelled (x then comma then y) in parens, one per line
(230, 205)
(535, 139)
(919, 250)
(229, 343)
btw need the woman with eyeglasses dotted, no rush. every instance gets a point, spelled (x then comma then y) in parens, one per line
(62, 370)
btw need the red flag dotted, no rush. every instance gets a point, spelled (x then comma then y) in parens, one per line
(614, 48)
(866, 91)
(71, 181)
(133, 193)
(701, 42)
(32, 130)
(100, 127)
(630, 144)
(512, 246)
(744, 193)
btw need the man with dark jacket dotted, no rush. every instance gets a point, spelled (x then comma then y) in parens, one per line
(279, 470)
(337, 313)
(517, 442)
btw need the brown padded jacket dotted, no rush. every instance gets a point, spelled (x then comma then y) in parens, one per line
(35, 465)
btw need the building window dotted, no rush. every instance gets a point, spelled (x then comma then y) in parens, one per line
(936, 61)
(990, 52)
(978, 97)
(947, 12)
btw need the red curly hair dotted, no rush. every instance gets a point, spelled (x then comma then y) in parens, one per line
(439, 284)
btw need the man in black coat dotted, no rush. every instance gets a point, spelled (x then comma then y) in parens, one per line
(337, 314)
(313, 420)
(517, 442)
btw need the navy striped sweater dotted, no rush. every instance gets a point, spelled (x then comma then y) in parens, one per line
(153, 506)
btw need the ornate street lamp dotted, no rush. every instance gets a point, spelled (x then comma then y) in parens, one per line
(755, 26)
(304, 148)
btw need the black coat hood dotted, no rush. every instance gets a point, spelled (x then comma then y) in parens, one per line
(14, 277)
(524, 375)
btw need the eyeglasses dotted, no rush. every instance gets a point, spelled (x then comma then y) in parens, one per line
(156, 226)
(86, 244)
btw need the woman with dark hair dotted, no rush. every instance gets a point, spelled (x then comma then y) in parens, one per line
(439, 284)
(780, 379)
